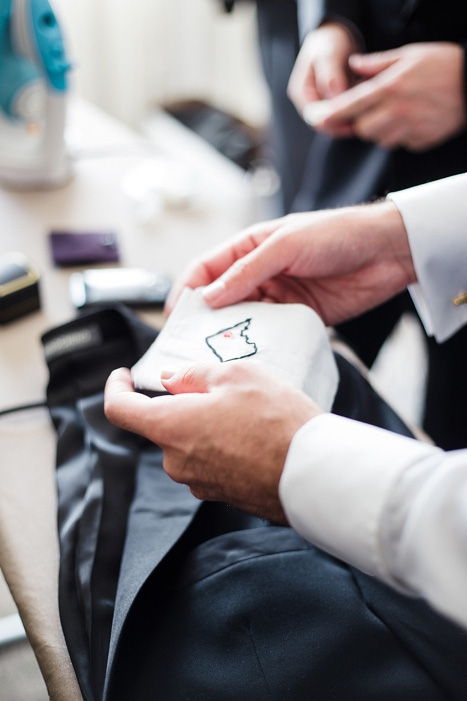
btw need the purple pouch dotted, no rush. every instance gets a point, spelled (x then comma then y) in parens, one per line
(77, 248)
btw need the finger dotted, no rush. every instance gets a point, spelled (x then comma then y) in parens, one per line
(416, 143)
(194, 277)
(301, 88)
(337, 131)
(369, 65)
(202, 272)
(316, 112)
(378, 125)
(162, 419)
(245, 276)
(206, 378)
(119, 381)
(193, 379)
(331, 77)
(121, 402)
(353, 103)
(198, 274)
(201, 378)
(132, 410)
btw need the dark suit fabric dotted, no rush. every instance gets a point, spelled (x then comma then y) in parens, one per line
(166, 597)
(318, 172)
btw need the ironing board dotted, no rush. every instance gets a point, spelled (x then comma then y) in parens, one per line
(104, 152)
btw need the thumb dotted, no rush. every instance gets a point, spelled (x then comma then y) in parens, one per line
(194, 379)
(242, 280)
(331, 78)
(369, 65)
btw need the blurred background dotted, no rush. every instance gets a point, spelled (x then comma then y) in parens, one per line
(131, 57)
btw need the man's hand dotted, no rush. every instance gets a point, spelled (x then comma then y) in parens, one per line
(321, 70)
(339, 262)
(225, 432)
(411, 97)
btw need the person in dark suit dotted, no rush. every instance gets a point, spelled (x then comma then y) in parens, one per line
(330, 168)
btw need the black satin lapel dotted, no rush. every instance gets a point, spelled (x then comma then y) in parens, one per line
(112, 455)
(73, 477)
(95, 473)
(160, 513)
(356, 399)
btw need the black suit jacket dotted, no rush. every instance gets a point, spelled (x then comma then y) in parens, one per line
(390, 23)
(169, 598)
(319, 172)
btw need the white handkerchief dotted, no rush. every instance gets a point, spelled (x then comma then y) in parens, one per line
(288, 340)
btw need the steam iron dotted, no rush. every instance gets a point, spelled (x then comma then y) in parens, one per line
(33, 94)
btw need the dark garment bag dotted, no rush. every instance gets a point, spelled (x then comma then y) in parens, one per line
(169, 598)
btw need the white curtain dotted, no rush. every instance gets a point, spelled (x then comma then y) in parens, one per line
(129, 56)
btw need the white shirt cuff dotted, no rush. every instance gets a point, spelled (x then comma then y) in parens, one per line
(435, 217)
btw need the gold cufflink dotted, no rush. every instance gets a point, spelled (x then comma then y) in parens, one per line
(460, 299)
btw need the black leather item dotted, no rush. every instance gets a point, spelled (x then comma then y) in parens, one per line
(166, 597)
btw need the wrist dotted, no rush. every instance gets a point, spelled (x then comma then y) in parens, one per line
(393, 241)
(347, 29)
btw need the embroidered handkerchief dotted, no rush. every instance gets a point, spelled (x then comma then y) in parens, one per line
(288, 340)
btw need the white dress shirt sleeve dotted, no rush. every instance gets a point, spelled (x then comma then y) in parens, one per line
(392, 506)
(435, 217)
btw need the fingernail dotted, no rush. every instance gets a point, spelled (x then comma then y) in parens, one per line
(117, 371)
(316, 112)
(213, 290)
(355, 58)
(167, 373)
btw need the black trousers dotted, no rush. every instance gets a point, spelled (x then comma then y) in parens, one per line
(166, 597)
